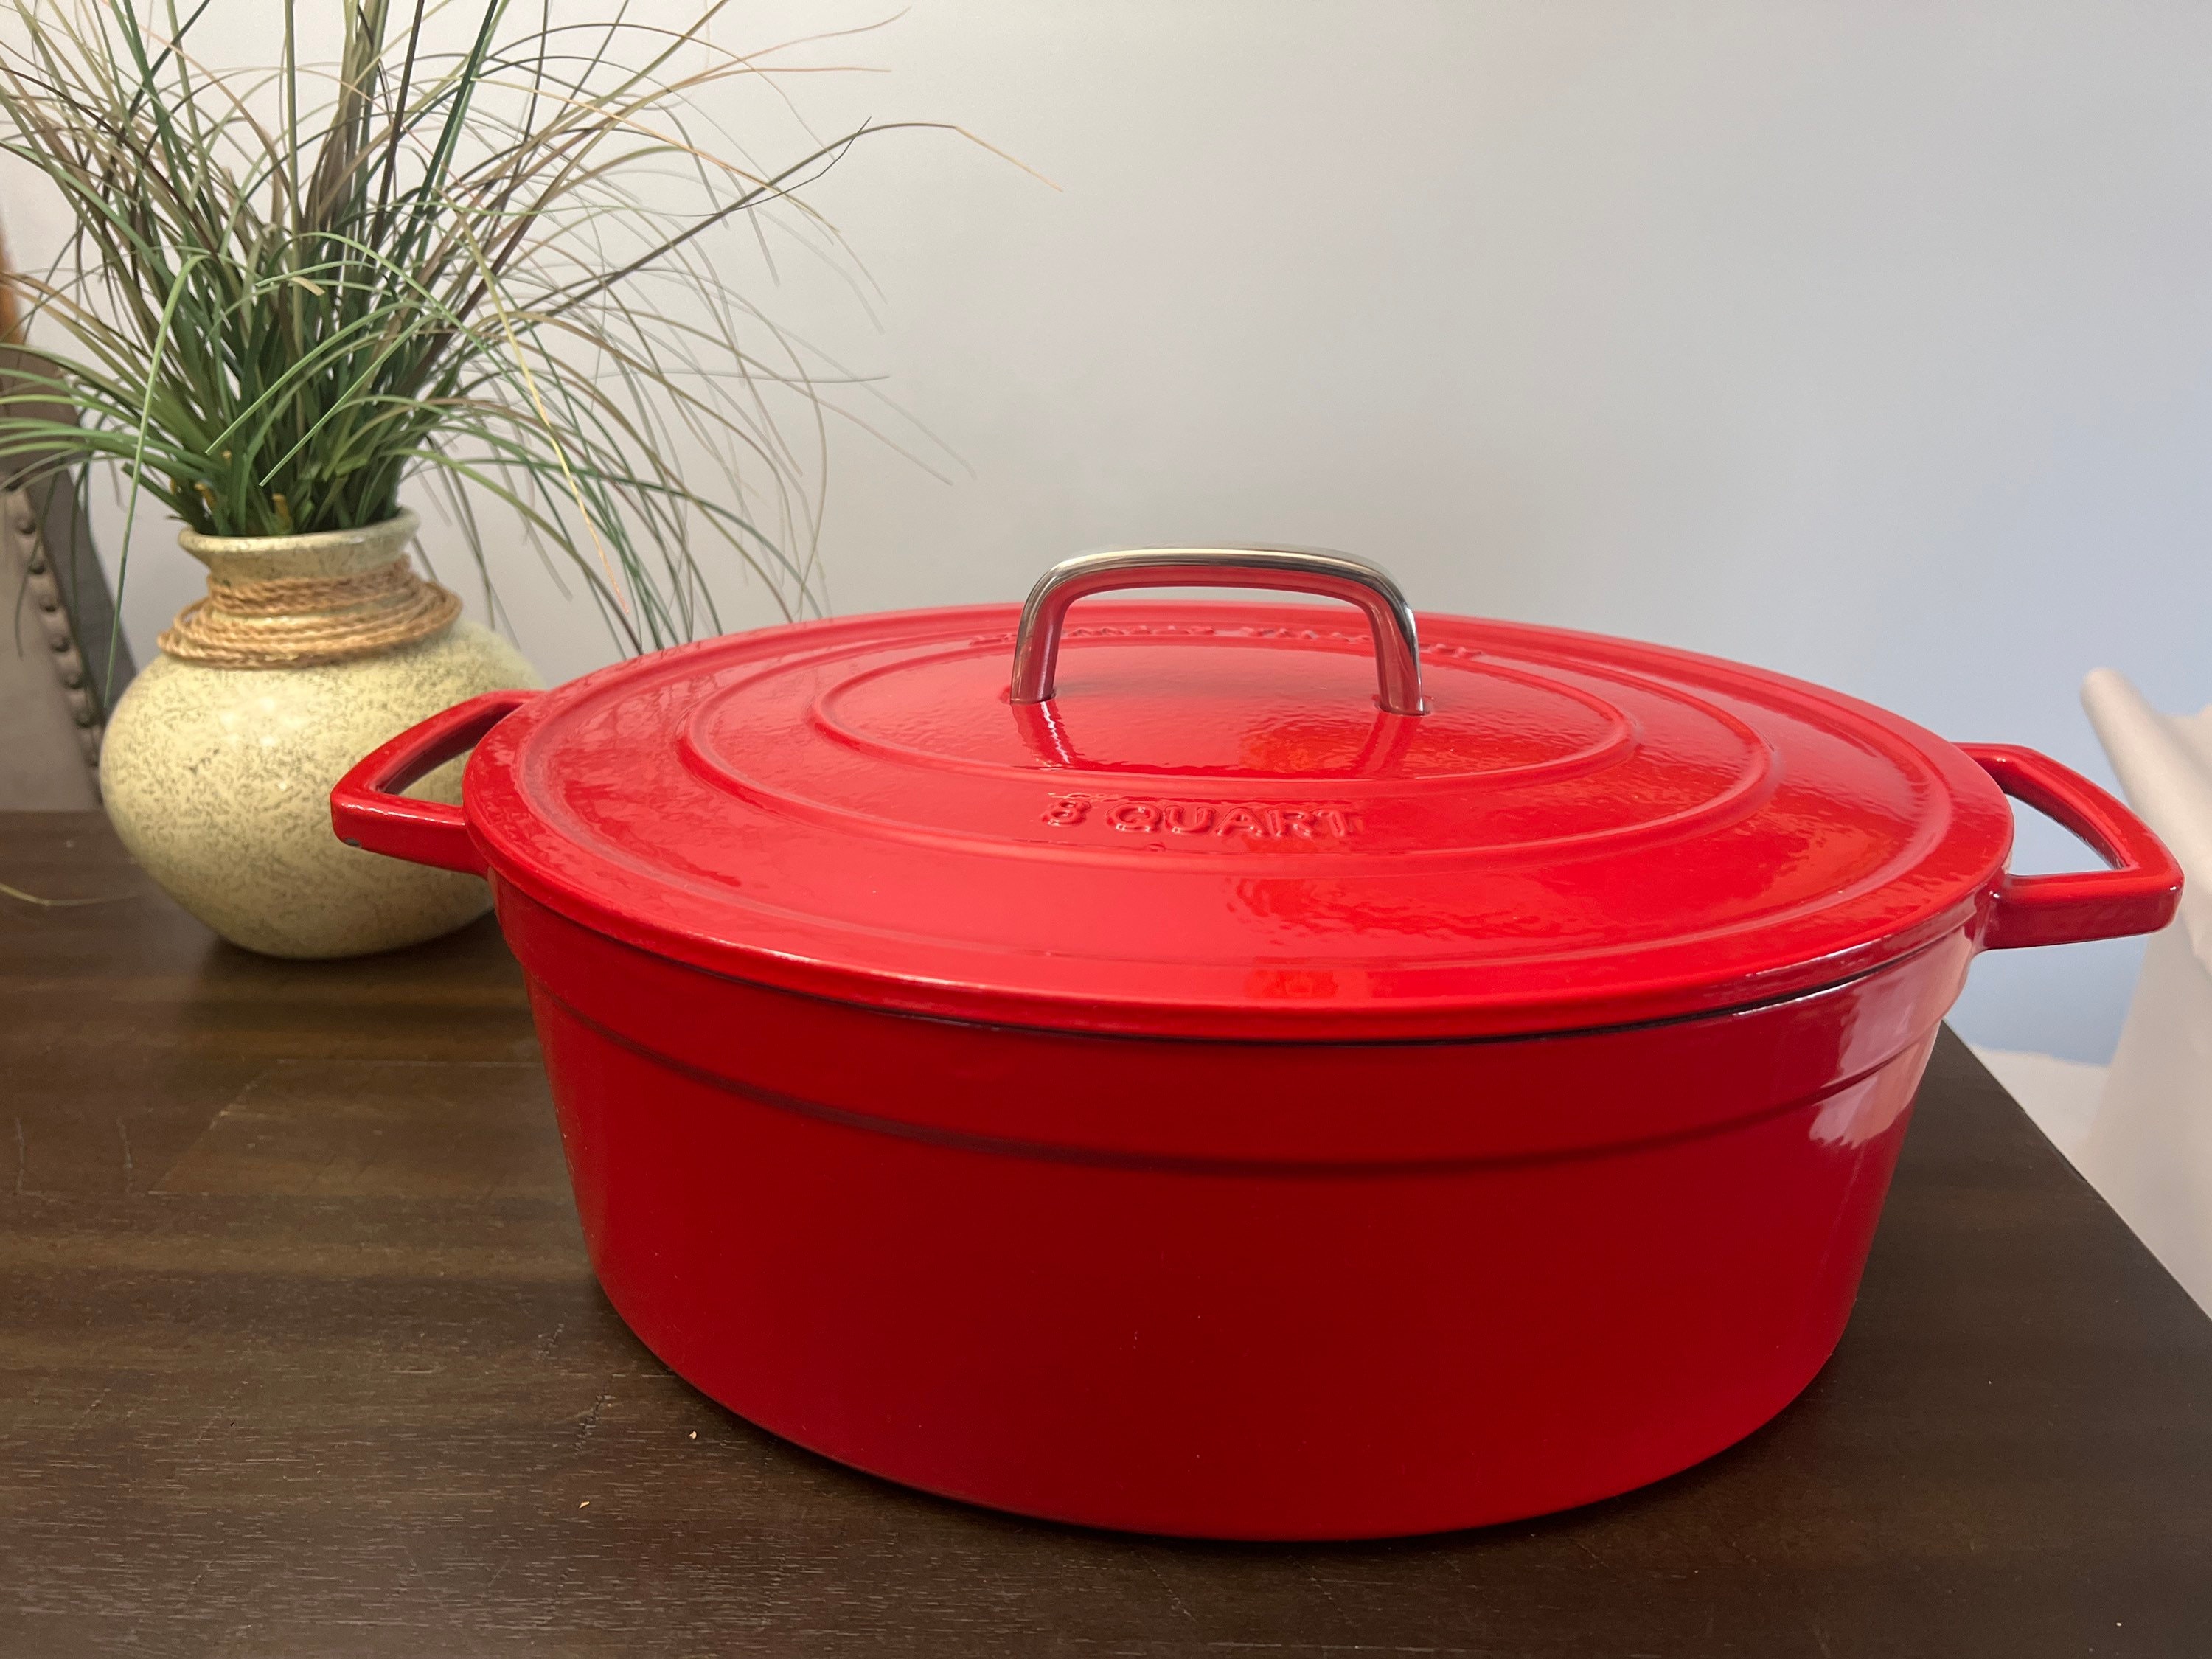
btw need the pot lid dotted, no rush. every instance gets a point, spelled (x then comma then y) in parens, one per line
(1210, 822)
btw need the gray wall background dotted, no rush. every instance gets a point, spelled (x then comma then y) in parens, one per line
(1864, 341)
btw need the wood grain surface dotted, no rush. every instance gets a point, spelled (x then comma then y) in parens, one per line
(300, 1356)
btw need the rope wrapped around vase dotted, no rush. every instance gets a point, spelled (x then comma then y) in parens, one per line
(304, 621)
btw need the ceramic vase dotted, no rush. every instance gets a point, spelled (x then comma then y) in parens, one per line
(218, 778)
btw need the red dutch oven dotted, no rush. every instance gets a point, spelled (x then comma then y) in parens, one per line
(1215, 1070)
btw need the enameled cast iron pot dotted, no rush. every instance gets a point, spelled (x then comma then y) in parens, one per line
(1215, 1099)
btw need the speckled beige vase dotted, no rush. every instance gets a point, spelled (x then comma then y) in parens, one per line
(218, 780)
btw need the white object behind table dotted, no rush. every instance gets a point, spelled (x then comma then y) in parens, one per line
(2149, 1145)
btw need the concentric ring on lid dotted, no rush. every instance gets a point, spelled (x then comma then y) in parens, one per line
(1213, 830)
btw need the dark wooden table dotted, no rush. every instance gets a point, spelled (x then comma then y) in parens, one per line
(300, 1356)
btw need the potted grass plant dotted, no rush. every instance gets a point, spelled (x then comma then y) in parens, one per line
(476, 253)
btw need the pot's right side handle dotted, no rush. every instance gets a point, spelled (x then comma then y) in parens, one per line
(368, 811)
(2137, 895)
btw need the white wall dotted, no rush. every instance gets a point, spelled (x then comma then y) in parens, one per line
(1864, 341)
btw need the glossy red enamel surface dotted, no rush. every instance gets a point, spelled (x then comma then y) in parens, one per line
(1213, 830)
(1204, 1103)
(1228, 1289)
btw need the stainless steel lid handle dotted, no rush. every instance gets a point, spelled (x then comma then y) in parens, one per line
(1289, 569)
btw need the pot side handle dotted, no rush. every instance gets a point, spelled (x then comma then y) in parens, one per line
(2137, 895)
(368, 811)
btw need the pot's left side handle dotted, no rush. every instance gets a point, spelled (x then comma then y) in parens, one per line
(368, 811)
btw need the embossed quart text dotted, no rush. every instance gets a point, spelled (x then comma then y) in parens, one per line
(1143, 815)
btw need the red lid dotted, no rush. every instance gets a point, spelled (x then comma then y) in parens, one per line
(1214, 830)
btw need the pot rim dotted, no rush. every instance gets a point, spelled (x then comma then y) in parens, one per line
(1161, 1025)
